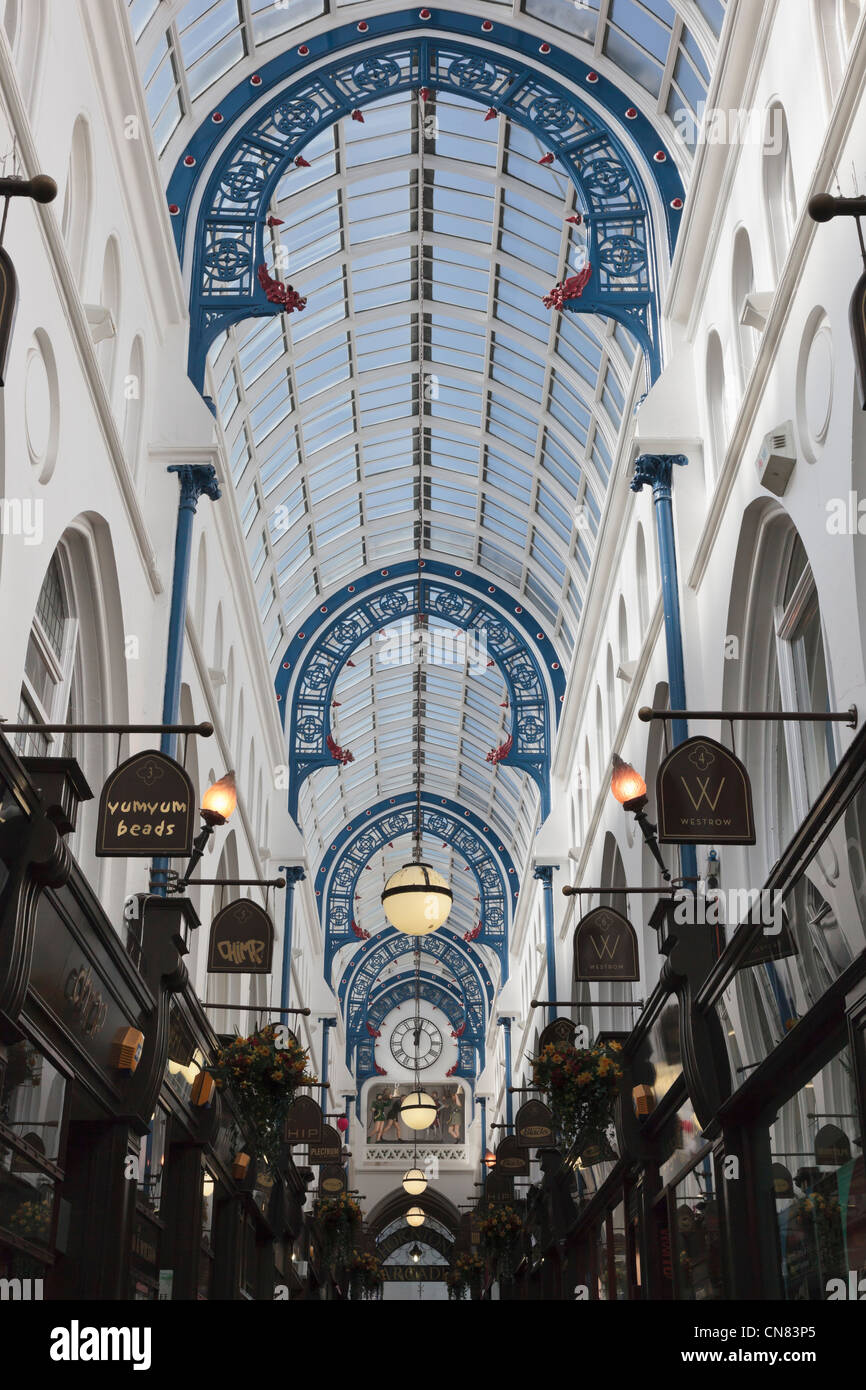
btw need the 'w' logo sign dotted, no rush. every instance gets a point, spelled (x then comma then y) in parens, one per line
(603, 948)
(704, 794)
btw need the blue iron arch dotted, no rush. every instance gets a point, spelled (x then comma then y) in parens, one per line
(401, 988)
(226, 184)
(363, 970)
(520, 648)
(477, 843)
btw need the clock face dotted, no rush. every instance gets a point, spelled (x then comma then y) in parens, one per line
(403, 1043)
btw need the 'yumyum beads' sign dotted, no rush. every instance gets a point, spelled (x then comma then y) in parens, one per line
(146, 807)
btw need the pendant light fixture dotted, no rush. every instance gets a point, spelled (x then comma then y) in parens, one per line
(415, 1216)
(417, 899)
(414, 1182)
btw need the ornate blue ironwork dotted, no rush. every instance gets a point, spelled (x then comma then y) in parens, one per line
(356, 844)
(401, 989)
(300, 103)
(521, 650)
(468, 971)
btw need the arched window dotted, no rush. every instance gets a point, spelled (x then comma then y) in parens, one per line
(133, 406)
(837, 21)
(105, 331)
(610, 683)
(601, 743)
(779, 195)
(623, 633)
(716, 403)
(230, 694)
(78, 198)
(743, 284)
(786, 668)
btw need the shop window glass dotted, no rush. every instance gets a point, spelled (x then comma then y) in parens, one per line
(205, 1263)
(620, 1270)
(601, 1261)
(680, 1141)
(658, 1063)
(819, 1185)
(697, 1242)
(31, 1100)
(152, 1161)
(26, 1197)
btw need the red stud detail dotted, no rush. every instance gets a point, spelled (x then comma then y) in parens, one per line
(421, 565)
(423, 14)
(189, 161)
(363, 27)
(487, 26)
(324, 608)
(384, 573)
(631, 113)
(351, 588)
(659, 156)
(676, 204)
(518, 610)
(279, 698)
(173, 209)
(217, 117)
(301, 636)
(255, 80)
(556, 666)
(491, 589)
(544, 48)
(540, 636)
(287, 665)
(592, 77)
(458, 573)
(303, 50)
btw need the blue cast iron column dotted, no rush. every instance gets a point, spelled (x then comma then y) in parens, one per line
(196, 480)
(505, 1025)
(294, 874)
(544, 872)
(657, 470)
(327, 1025)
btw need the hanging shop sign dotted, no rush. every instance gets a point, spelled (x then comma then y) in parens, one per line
(511, 1159)
(303, 1122)
(241, 940)
(328, 1149)
(332, 1180)
(499, 1187)
(605, 947)
(560, 1032)
(534, 1125)
(703, 796)
(146, 807)
(783, 1183)
(595, 1148)
(769, 946)
(832, 1147)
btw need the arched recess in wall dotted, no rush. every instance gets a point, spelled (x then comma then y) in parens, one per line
(742, 285)
(225, 990)
(649, 870)
(780, 199)
(610, 685)
(78, 197)
(229, 712)
(217, 662)
(717, 408)
(836, 22)
(105, 332)
(601, 742)
(622, 633)
(613, 873)
(24, 23)
(585, 773)
(641, 579)
(133, 406)
(201, 587)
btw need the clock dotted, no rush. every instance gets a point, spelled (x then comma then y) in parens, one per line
(403, 1046)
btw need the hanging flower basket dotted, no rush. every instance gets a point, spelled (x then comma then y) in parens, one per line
(467, 1276)
(499, 1233)
(340, 1220)
(262, 1079)
(581, 1084)
(366, 1277)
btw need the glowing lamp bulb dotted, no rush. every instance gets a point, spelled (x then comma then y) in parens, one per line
(626, 784)
(220, 800)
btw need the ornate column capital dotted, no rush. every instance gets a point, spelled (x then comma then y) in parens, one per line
(656, 469)
(196, 479)
(294, 874)
(544, 872)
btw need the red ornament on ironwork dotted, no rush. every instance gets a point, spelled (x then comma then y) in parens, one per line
(572, 288)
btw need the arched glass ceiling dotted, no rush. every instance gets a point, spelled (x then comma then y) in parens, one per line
(520, 408)
(661, 51)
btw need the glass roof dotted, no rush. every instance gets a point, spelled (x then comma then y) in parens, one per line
(449, 353)
(661, 51)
